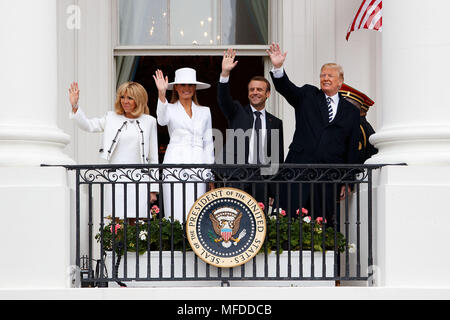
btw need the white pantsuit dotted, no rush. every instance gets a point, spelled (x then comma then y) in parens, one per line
(191, 142)
(125, 141)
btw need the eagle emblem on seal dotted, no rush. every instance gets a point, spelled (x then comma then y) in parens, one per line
(226, 223)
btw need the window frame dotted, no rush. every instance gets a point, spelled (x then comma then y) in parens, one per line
(274, 35)
(150, 50)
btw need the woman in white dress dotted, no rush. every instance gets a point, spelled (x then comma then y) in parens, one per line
(129, 137)
(191, 140)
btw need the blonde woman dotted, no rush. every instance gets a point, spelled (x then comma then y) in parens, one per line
(129, 137)
(191, 140)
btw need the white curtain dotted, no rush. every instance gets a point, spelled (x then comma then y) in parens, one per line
(143, 22)
(229, 22)
(146, 22)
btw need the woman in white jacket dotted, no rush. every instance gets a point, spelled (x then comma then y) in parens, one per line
(191, 140)
(129, 137)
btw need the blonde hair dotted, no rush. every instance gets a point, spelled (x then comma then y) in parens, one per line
(139, 95)
(334, 66)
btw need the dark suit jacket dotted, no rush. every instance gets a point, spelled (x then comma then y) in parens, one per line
(315, 139)
(240, 117)
(365, 148)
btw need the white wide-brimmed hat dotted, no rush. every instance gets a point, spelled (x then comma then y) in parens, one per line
(187, 76)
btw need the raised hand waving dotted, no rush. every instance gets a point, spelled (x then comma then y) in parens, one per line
(228, 62)
(276, 55)
(162, 83)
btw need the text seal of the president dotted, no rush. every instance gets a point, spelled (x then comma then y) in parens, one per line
(226, 227)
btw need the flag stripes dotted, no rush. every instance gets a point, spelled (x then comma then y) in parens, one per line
(369, 16)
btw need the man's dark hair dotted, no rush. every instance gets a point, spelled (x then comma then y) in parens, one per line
(260, 78)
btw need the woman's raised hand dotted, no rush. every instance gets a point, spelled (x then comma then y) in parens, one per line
(162, 83)
(74, 94)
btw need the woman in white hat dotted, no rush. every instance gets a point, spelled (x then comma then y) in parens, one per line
(191, 140)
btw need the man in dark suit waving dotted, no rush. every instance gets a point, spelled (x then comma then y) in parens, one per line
(254, 136)
(326, 129)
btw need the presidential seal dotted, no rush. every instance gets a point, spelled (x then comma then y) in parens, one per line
(226, 227)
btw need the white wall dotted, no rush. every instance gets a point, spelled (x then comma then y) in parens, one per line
(85, 55)
(359, 56)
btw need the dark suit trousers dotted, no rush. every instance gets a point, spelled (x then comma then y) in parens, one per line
(320, 199)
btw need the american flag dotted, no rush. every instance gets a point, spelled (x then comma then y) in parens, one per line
(367, 17)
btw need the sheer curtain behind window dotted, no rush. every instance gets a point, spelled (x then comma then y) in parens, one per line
(193, 22)
(142, 22)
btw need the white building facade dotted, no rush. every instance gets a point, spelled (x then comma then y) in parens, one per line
(52, 43)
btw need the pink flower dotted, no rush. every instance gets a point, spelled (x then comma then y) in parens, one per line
(116, 227)
(261, 205)
(321, 220)
(304, 211)
(155, 209)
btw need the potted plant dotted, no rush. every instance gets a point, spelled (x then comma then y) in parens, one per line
(313, 232)
(136, 236)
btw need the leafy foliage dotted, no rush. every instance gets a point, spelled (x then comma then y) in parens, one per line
(163, 234)
(313, 234)
(156, 234)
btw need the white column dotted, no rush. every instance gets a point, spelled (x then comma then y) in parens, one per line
(36, 249)
(414, 120)
(412, 215)
(28, 82)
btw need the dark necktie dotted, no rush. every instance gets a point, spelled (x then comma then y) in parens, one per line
(330, 110)
(258, 128)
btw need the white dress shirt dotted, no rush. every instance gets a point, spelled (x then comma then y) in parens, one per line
(277, 72)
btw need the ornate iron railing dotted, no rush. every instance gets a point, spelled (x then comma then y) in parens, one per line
(153, 246)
